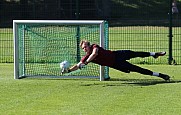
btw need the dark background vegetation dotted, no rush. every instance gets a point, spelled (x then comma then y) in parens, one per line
(116, 11)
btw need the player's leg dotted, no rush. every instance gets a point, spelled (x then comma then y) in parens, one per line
(134, 68)
(122, 55)
(134, 54)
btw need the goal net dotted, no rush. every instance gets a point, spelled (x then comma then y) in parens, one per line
(40, 46)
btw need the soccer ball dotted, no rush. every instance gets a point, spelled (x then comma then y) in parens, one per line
(64, 66)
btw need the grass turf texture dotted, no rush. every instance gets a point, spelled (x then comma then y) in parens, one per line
(124, 94)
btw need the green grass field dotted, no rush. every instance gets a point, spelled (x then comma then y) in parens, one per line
(124, 94)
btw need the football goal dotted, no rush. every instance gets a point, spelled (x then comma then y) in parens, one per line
(40, 46)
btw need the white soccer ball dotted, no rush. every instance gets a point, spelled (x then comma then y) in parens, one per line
(64, 66)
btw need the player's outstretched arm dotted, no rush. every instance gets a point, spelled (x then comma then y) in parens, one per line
(92, 56)
(73, 68)
(68, 70)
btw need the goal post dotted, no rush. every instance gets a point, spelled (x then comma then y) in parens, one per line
(40, 46)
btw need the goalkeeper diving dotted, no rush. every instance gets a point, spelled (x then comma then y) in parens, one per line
(115, 59)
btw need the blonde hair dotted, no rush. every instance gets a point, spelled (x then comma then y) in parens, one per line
(85, 42)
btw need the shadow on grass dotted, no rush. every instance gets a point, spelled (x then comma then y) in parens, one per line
(144, 82)
(130, 82)
(111, 82)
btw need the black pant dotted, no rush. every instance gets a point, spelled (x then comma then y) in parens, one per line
(124, 66)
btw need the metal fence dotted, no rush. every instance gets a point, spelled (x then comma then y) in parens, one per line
(141, 25)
